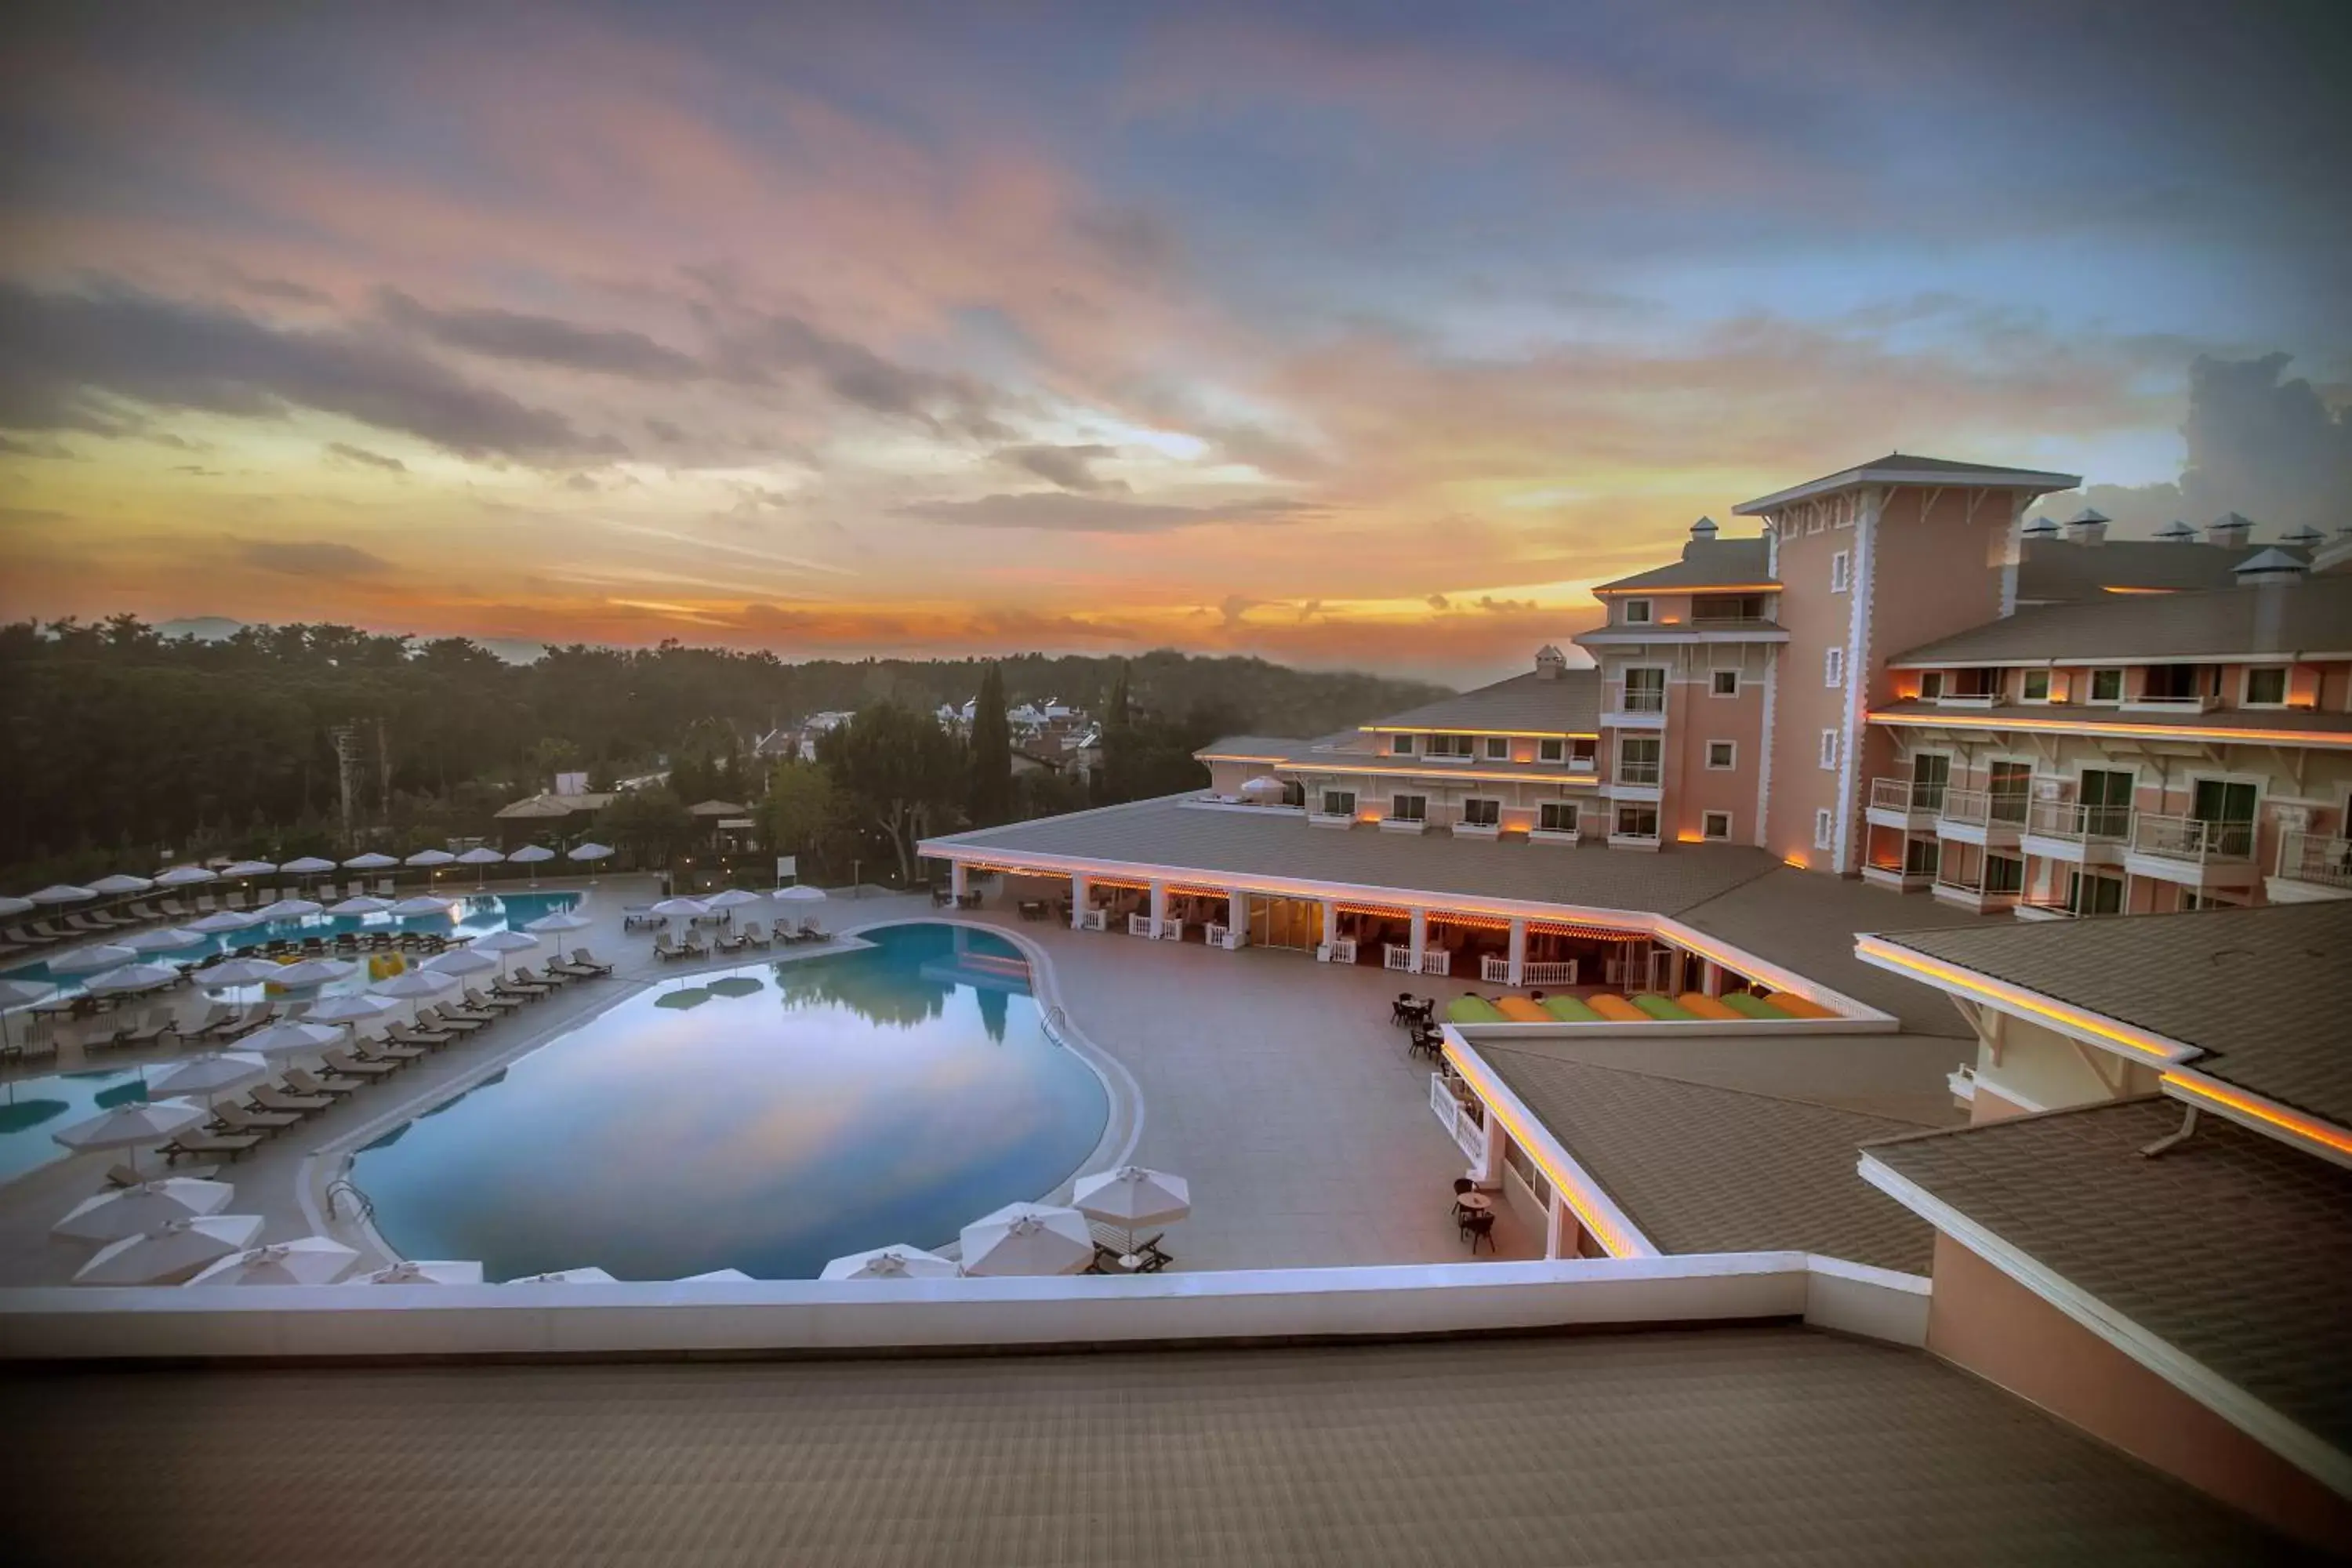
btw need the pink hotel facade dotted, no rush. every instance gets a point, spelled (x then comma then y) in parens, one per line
(1899, 678)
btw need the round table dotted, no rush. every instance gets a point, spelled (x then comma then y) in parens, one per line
(1476, 1202)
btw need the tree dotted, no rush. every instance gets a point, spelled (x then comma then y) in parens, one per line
(800, 807)
(898, 771)
(1113, 782)
(652, 824)
(990, 800)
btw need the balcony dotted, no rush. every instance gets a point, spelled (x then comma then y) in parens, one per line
(1405, 824)
(2077, 833)
(1994, 818)
(1976, 889)
(2192, 851)
(2312, 866)
(2147, 702)
(1627, 707)
(1905, 803)
(1330, 819)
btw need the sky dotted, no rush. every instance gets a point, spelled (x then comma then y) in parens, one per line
(1364, 336)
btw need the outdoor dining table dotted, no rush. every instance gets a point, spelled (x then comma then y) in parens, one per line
(1478, 1203)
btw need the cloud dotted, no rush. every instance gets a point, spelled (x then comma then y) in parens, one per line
(13, 446)
(1439, 602)
(366, 458)
(663, 430)
(63, 356)
(581, 482)
(1235, 608)
(760, 348)
(540, 340)
(1056, 511)
(324, 558)
(2269, 448)
(1068, 467)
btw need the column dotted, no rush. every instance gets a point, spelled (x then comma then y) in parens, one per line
(959, 879)
(1330, 922)
(1518, 950)
(1079, 891)
(1489, 1172)
(1420, 937)
(1561, 1230)
(1237, 916)
(1710, 978)
(1159, 905)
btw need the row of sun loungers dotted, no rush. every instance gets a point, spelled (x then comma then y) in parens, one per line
(1642, 1007)
(752, 934)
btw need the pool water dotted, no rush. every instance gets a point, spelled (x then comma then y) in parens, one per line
(768, 1120)
(31, 1109)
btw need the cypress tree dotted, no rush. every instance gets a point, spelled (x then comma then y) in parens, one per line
(990, 800)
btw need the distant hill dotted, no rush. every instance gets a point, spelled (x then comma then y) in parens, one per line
(201, 628)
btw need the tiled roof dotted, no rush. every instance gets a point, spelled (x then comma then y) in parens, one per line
(2231, 1246)
(554, 806)
(2060, 571)
(1900, 1077)
(1698, 1168)
(1897, 468)
(2297, 721)
(1733, 1445)
(1252, 746)
(2313, 617)
(2261, 991)
(1568, 703)
(1704, 563)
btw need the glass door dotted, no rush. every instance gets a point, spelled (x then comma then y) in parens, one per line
(2106, 796)
(2012, 785)
(1930, 772)
(2228, 811)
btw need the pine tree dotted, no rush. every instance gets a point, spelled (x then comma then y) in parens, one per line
(990, 800)
(1115, 780)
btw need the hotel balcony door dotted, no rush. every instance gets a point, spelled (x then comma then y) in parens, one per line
(2010, 785)
(1930, 772)
(2091, 895)
(2106, 796)
(2230, 808)
(1294, 923)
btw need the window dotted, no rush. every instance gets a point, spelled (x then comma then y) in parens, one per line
(1339, 802)
(1645, 692)
(1833, 667)
(1637, 612)
(1830, 749)
(1637, 760)
(1637, 822)
(2266, 687)
(2003, 875)
(1705, 608)
(1931, 686)
(1556, 816)
(1552, 751)
(1293, 793)
(1721, 755)
(1821, 824)
(1410, 807)
(1585, 753)
(1400, 745)
(2036, 686)
(1498, 750)
(2106, 686)
(1841, 571)
(1451, 746)
(1714, 824)
(1482, 813)
(1724, 683)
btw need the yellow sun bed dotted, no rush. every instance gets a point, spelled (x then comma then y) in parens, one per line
(1707, 1007)
(1616, 1009)
(1523, 1010)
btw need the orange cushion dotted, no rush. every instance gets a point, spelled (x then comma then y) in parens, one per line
(1706, 1007)
(1610, 1006)
(1523, 1010)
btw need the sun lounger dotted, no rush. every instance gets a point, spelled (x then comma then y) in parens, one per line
(1662, 1008)
(440, 1020)
(757, 934)
(732, 942)
(583, 959)
(143, 910)
(171, 910)
(237, 1118)
(1800, 1006)
(302, 1080)
(513, 987)
(479, 1003)
(1570, 1010)
(191, 1144)
(1472, 1010)
(270, 1097)
(1747, 1004)
(402, 1036)
(451, 1012)
(1615, 1009)
(351, 1065)
(146, 1031)
(1522, 1010)
(524, 976)
(1701, 1006)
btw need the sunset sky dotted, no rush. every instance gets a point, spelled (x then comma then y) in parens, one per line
(1363, 335)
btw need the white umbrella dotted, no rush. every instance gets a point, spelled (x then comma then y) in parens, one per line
(799, 893)
(307, 865)
(171, 1252)
(502, 943)
(133, 1126)
(278, 1038)
(314, 972)
(430, 858)
(121, 883)
(130, 978)
(897, 1262)
(248, 869)
(135, 1211)
(531, 855)
(419, 904)
(567, 1277)
(718, 1276)
(13, 906)
(374, 860)
(360, 905)
(223, 920)
(412, 1272)
(731, 899)
(691, 909)
(348, 1010)
(62, 893)
(481, 855)
(210, 1073)
(89, 960)
(577, 852)
(288, 910)
(563, 919)
(416, 982)
(162, 940)
(1132, 1196)
(460, 961)
(183, 876)
(236, 971)
(308, 1260)
(1028, 1238)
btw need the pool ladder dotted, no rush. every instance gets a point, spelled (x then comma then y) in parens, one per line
(1057, 1026)
(362, 1207)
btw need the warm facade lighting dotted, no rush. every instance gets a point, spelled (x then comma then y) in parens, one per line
(2277, 1116)
(1580, 1200)
(2089, 726)
(2009, 997)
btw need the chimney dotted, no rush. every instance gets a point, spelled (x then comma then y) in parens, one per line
(2177, 532)
(1549, 663)
(2272, 567)
(2229, 531)
(2304, 538)
(1703, 530)
(2041, 527)
(2087, 527)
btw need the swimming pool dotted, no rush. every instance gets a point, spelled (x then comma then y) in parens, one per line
(31, 1109)
(767, 1120)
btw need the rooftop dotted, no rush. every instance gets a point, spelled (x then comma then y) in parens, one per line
(1776, 1444)
(554, 806)
(2310, 619)
(2061, 571)
(1704, 563)
(1897, 468)
(1698, 1167)
(2256, 1297)
(2305, 726)
(1534, 703)
(2259, 990)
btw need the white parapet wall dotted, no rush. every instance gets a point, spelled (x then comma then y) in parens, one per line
(807, 1316)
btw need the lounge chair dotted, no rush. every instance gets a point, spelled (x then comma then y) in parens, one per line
(481, 1004)
(349, 1065)
(813, 932)
(402, 1036)
(583, 959)
(732, 942)
(476, 1015)
(271, 1098)
(522, 990)
(302, 1080)
(171, 910)
(441, 1021)
(231, 1117)
(191, 1144)
(523, 976)
(146, 1031)
(141, 911)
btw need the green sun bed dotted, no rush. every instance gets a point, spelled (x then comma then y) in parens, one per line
(1665, 1008)
(1755, 1006)
(1570, 1010)
(1472, 1010)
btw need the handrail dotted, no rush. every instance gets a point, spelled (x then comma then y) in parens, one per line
(2316, 857)
(2191, 837)
(362, 1207)
(2075, 820)
(1624, 699)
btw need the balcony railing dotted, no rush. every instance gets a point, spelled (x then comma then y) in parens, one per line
(2078, 823)
(2313, 857)
(2156, 702)
(1979, 807)
(2191, 837)
(1624, 699)
(1906, 795)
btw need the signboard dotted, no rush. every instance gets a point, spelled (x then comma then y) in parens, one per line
(787, 869)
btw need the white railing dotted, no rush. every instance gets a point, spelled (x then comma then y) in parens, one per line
(1396, 955)
(2145, 703)
(1213, 935)
(1331, 819)
(1967, 698)
(1171, 930)
(1142, 925)
(1495, 968)
(1093, 919)
(1548, 973)
(1980, 808)
(1637, 775)
(1437, 961)
(2191, 837)
(1458, 1112)
(1624, 699)
(2316, 857)
(1904, 794)
(1343, 951)
(2077, 822)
